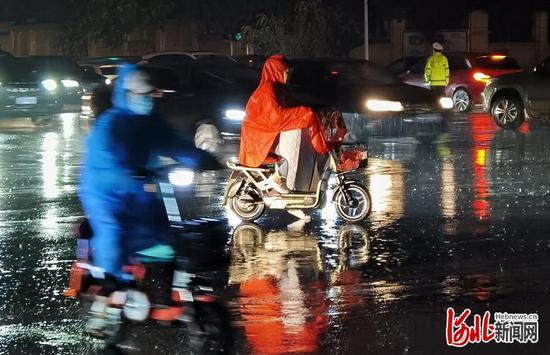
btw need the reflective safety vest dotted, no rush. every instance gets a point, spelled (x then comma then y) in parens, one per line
(437, 70)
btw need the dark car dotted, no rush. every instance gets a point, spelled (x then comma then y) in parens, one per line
(402, 65)
(255, 62)
(90, 79)
(24, 92)
(107, 66)
(370, 98)
(207, 95)
(510, 99)
(67, 74)
(469, 74)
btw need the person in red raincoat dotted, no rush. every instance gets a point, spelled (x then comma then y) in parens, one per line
(270, 112)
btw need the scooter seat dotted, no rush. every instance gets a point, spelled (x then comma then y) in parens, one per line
(266, 166)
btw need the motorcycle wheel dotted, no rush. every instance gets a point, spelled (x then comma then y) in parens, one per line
(247, 204)
(116, 328)
(359, 206)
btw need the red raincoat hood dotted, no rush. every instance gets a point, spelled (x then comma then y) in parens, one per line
(267, 115)
(274, 70)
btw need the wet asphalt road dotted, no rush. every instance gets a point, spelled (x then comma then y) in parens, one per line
(462, 221)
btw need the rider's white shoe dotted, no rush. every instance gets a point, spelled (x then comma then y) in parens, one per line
(300, 214)
(277, 185)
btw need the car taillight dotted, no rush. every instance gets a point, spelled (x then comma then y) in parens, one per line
(482, 77)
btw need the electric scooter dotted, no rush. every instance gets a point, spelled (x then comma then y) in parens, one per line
(195, 304)
(250, 193)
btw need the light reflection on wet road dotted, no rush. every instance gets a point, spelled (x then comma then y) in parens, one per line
(462, 222)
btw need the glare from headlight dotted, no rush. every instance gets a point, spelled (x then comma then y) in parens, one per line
(235, 115)
(181, 177)
(446, 103)
(384, 106)
(108, 81)
(68, 83)
(49, 84)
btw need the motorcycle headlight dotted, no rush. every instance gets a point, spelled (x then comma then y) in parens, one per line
(446, 103)
(384, 106)
(181, 177)
(235, 115)
(49, 84)
(68, 83)
(108, 81)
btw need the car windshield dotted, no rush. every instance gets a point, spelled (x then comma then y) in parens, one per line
(15, 65)
(57, 66)
(215, 59)
(110, 70)
(170, 59)
(217, 75)
(163, 78)
(339, 73)
(12, 68)
(497, 63)
(399, 66)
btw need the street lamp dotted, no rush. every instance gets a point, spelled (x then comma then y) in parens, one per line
(367, 29)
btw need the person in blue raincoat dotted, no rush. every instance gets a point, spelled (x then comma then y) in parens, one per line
(126, 140)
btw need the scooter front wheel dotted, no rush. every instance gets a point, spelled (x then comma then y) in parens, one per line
(247, 205)
(353, 202)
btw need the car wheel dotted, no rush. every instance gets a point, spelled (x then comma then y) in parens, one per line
(508, 112)
(208, 137)
(462, 101)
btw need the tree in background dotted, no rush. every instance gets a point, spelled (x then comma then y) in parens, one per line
(109, 21)
(313, 29)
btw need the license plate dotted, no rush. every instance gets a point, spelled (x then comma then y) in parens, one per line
(26, 100)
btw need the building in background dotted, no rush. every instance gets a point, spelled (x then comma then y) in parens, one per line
(523, 35)
(32, 28)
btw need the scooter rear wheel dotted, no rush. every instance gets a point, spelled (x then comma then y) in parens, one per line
(247, 205)
(358, 205)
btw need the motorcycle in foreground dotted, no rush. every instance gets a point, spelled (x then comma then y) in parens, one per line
(195, 305)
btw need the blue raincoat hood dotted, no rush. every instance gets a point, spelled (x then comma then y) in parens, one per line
(120, 100)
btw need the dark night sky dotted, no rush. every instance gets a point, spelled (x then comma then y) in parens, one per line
(511, 18)
(42, 10)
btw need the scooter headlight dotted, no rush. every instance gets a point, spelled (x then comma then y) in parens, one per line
(181, 177)
(235, 115)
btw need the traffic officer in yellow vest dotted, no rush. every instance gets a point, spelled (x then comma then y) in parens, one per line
(437, 73)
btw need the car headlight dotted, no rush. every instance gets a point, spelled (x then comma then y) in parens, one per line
(181, 177)
(235, 115)
(68, 83)
(446, 103)
(384, 106)
(49, 84)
